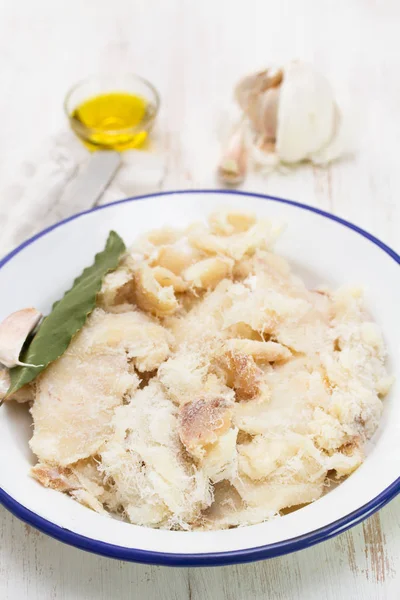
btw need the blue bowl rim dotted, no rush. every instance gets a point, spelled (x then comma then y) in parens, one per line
(211, 558)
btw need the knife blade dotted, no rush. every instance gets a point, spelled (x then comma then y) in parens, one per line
(92, 181)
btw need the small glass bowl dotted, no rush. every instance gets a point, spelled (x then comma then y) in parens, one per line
(112, 139)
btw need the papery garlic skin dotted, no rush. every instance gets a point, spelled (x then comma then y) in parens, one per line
(250, 88)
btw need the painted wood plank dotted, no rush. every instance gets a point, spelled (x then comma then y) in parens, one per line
(194, 52)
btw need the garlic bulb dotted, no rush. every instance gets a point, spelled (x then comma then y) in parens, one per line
(14, 331)
(292, 112)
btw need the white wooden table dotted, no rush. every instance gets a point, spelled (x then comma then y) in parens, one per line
(194, 51)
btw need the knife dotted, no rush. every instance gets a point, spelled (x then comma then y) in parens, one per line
(92, 181)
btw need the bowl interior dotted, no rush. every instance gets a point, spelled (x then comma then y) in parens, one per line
(321, 250)
(109, 83)
(120, 123)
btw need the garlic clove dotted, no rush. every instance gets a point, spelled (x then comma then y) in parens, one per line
(266, 118)
(258, 97)
(4, 383)
(232, 168)
(24, 394)
(336, 146)
(247, 88)
(14, 331)
(251, 86)
(306, 113)
(263, 156)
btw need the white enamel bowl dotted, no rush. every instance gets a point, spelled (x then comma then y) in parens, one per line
(322, 248)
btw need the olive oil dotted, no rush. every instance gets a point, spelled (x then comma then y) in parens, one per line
(117, 121)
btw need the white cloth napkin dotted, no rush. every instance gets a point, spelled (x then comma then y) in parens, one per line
(32, 198)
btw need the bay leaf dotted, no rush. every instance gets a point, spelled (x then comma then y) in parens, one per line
(67, 316)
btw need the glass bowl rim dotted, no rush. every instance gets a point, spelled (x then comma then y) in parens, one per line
(87, 131)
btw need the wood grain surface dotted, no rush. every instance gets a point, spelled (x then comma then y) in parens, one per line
(194, 52)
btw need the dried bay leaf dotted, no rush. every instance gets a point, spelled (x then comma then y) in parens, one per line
(67, 317)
